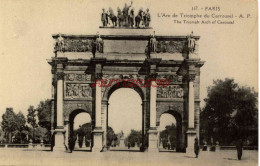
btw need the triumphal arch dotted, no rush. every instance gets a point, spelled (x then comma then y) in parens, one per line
(163, 70)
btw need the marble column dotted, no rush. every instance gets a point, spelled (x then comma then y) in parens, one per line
(145, 126)
(66, 128)
(98, 132)
(191, 133)
(153, 129)
(59, 130)
(104, 123)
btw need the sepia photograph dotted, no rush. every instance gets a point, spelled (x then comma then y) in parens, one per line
(129, 82)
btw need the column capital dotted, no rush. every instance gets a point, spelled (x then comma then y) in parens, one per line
(98, 76)
(191, 77)
(105, 102)
(152, 76)
(60, 75)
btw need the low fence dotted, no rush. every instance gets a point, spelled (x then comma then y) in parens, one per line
(25, 145)
(202, 147)
(214, 148)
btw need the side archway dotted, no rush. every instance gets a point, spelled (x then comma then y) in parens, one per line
(178, 118)
(70, 137)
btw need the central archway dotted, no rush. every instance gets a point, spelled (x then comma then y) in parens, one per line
(115, 94)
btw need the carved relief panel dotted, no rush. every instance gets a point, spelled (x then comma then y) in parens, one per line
(77, 86)
(75, 90)
(171, 91)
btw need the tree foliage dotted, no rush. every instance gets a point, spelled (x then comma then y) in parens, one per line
(168, 136)
(111, 136)
(135, 137)
(44, 114)
(230, 112)
(31, 116)
(13, 125)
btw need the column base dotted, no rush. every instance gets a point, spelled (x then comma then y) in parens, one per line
(59, 141)
(98, 137)
(191, 135)
(152, 136)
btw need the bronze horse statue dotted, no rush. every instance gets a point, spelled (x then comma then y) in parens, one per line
(139, 18)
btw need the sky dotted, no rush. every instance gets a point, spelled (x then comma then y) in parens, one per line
(26, 28)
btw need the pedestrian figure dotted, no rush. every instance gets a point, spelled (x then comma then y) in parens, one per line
(71, 144)
(128, 145)
(196, 147)
(239, 147)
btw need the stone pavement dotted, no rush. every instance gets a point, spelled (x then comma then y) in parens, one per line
(113, 158)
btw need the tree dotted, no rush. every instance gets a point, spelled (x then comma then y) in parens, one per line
(44, 114)
(84, 130)
(31, 119)
(14, 126)
(2, 136)
(22, 131)
(168, 135)
(134, 137)
(110, 136)
(9, 124)
(41, 134)
(229, 111)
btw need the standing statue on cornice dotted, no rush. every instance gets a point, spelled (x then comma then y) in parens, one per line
(191, 43)
(104, 18)
(100, 43)
(131, 18)
(60, 43)
(120, 17)
(153, 42)
(112, 17)
(147, 18)
(139, 18)
(125, 14)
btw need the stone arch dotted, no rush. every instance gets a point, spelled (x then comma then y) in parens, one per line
(140, 90)
(73, 107)
(179, 137)
(123, 84)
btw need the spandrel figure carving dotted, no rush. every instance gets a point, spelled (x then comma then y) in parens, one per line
(69, 90)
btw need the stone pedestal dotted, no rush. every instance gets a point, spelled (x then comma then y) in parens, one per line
(77, 143)
(191, 135)
(152, 141)
(59, 140)
(30, 146)
(98, 137)
(122, 143)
